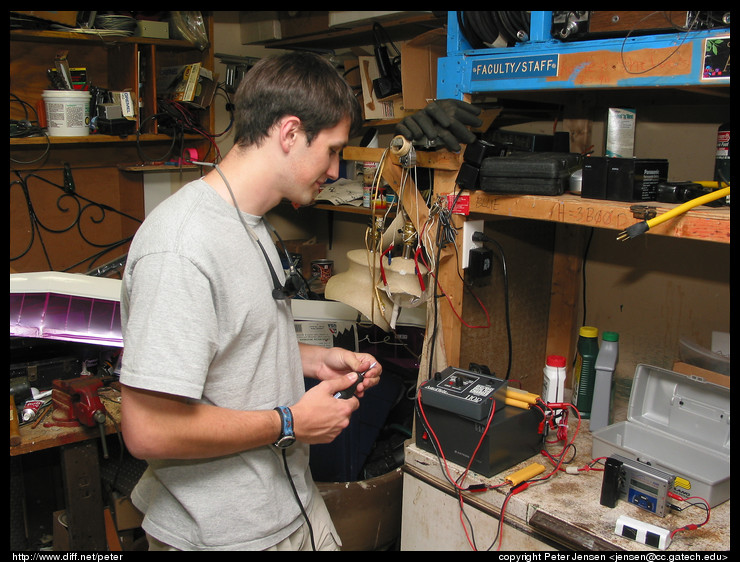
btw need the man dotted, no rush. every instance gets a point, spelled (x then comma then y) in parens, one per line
(212, 370)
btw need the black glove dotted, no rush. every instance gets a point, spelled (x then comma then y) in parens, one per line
(442, 121)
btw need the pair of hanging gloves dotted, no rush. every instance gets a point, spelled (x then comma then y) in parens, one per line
(442, 123)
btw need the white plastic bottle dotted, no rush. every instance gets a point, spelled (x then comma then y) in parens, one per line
(606, 363)
(553, 383)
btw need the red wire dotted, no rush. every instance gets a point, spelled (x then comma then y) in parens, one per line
(382, 269)
(521, 487)
(488, 319)
(439, 447)
(692, 526)
(417, 253)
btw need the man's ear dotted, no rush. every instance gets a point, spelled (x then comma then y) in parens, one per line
(289, 129)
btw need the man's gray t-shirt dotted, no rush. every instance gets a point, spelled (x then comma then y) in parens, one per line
(199, 321)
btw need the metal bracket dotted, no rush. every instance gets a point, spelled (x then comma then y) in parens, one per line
(643, 212)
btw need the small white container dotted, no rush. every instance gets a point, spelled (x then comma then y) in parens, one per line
(67, 112)
(553, 382)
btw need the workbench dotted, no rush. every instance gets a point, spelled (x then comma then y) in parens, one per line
(79, 458)
(562, 513)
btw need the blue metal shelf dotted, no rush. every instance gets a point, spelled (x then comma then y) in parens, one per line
(544, 63)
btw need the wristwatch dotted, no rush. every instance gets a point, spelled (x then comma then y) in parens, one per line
(287, 435)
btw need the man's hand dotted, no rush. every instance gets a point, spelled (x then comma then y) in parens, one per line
(318, 417)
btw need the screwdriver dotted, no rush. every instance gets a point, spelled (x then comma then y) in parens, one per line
(349, 392)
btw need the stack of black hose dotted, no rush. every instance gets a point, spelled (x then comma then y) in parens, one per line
(484, 29)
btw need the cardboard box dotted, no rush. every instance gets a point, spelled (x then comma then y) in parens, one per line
(157, 29)
(259, 27)
(60, 533)
(419, 67)
(620, 132)
(126, 515)
(367, 513)
(373, 108)
(694, 371)
(65, 18)
(297, 24)
(190, 83)
(309, 251)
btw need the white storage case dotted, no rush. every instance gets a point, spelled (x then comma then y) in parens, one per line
(679, 424)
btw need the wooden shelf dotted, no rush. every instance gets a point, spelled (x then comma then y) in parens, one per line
(343, 37)
(71, 37)
(701, 223)
(95, 139)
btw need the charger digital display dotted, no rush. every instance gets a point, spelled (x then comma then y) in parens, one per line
(463, 392)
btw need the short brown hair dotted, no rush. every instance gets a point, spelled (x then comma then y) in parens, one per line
(297, 83)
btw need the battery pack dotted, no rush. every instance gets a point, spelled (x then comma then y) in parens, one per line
(512, 437)
(455, 422)
(623, 179)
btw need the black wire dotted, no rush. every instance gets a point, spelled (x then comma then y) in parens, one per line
(583, 272)
(505, 272)
(26, 128)
(435, 326)
(298, 499)
(139, 148)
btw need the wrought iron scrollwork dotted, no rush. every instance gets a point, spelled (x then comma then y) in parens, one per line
(80, 211)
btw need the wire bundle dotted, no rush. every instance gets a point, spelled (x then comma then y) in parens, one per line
(176, 120)
(119, 24)
(485, 29)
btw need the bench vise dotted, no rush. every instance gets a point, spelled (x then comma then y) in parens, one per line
(76, 402)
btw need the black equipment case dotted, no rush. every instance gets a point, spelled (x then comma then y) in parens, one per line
(529, 173)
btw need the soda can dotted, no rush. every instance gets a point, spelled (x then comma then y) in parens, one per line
(322, 270)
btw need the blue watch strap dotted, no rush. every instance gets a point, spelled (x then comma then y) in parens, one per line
(286, 421)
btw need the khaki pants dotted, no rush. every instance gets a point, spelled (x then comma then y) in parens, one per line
(325, 535)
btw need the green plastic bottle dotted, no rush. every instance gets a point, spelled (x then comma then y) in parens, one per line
(584, 375)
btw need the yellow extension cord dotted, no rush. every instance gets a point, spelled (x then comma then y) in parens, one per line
(642, 227)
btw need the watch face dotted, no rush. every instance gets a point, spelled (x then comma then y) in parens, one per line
(285, 442)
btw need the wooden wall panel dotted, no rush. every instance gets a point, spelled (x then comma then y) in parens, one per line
(58, 212)
(528, 248)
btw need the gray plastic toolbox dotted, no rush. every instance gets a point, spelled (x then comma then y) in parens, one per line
(679, 424)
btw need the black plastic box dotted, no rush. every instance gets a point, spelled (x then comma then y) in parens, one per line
(623, 179)
(529, 173)
(512, 437)
(635, 179)
(593, 180)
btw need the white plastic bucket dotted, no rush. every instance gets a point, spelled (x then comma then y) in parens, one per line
(67, 112)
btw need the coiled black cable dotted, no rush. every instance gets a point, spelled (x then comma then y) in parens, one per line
(487, 29)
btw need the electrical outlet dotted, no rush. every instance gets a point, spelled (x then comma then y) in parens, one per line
(470, 228)
(642, 532)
